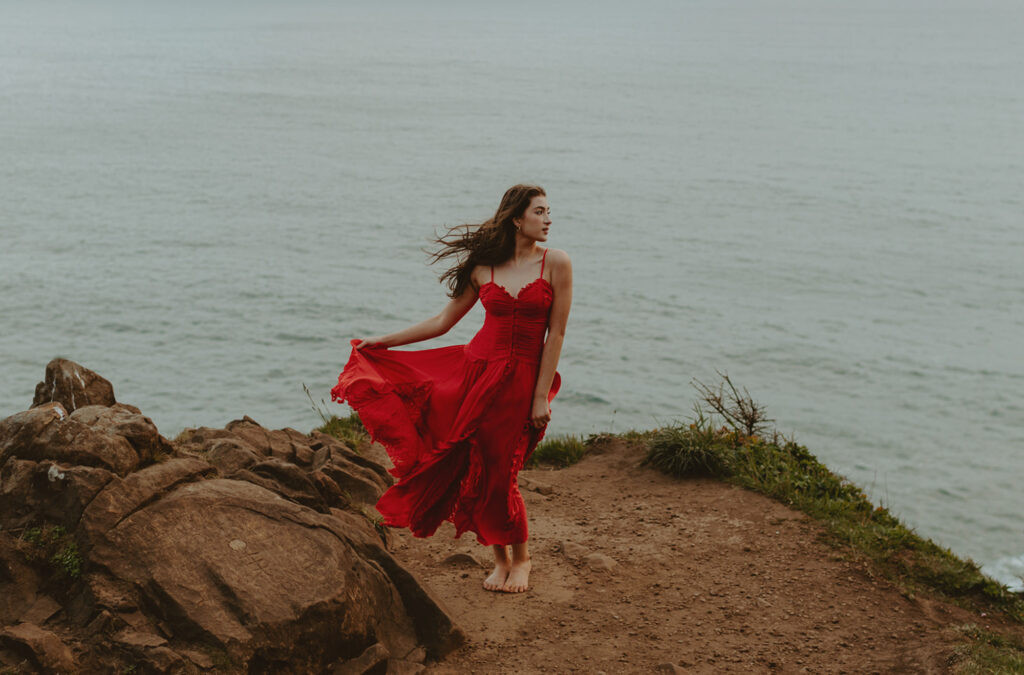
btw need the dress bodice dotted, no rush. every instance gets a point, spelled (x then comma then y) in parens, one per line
(514, 327)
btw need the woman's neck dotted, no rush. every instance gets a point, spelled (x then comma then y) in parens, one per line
(526, 250)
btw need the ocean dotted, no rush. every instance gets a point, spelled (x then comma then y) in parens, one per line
(204, 202)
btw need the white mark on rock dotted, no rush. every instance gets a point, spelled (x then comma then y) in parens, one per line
(237, 544)
(54, 474)
(60, 412)
(80, 380)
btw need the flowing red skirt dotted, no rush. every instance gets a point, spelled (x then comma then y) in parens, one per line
(458, 430)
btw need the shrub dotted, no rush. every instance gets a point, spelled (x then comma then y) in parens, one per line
(690, 450)
(558, 451)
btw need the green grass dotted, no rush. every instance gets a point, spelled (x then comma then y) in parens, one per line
(349, 430)
(559, 451)
(51, 546)
(987, 652)
(691, 451)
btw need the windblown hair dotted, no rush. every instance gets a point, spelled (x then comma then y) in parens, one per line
(489, 243)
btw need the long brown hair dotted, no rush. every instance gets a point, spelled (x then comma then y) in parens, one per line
(489, 243)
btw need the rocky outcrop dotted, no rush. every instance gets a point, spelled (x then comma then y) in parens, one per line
(233, 549)
(72, 386)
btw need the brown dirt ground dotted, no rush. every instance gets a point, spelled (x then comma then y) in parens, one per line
(708, 576)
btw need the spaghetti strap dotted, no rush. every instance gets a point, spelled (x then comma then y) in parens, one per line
(492, 272)
(541, 265)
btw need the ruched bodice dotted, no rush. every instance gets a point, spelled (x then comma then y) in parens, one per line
(514, 327)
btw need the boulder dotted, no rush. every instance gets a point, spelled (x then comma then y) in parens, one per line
(230, 455)
(73, 386)
(287, 480)
(44, 648)
(47, 432)
(31, 492)
(241, 546)
(230, 563)
(127, 422)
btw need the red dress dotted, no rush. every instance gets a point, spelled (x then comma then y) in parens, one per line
(456, 420)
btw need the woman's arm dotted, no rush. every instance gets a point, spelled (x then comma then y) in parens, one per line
(438, 324)
(561, 282)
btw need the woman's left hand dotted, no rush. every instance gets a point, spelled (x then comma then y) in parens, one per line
(541, 413)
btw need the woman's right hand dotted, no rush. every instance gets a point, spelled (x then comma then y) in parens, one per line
(377, 341)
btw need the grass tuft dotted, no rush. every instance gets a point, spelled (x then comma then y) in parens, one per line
(987, 652)
(560, 451)
(349, 430)
(690, 451)
(52, 546)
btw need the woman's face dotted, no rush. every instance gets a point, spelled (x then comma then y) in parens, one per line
(534, 223)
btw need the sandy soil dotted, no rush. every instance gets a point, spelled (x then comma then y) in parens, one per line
(704, 577)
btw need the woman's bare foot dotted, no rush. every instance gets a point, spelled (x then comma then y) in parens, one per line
(519, 571)
(502, 565)
(496, 581)
(518, 577)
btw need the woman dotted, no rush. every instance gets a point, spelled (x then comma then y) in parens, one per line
(459, 422)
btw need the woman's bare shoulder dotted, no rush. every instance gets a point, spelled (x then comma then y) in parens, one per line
(480, 275)
(558, 257)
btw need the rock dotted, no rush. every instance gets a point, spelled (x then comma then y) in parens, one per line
(21, 430)
(43, 647)
(402, 667)
(42, 491)
(372, 459)
(669, 668)
(47, 432)
(373, 659)
(73, 386)
(277, 443)
(572, 550)
(599, 562)
(462, 559)
(240, 545)
(435, 630)
(122, 497)
(230, 455)
(133, 638)
(127, 422)
(285, 479)
(197, 657)
(363, 485)
(19, 581)
(418, 655)
(300, 577)
(41, 610)
(532, 485)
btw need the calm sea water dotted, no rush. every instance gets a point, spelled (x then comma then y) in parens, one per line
(204, 202)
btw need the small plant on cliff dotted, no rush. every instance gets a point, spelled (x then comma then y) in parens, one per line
(349, 430)
(697, 449)
(558, 451)
(988, 652)
(52, 545)
(68, 560)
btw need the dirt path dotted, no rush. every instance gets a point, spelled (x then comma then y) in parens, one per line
(706, 576)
